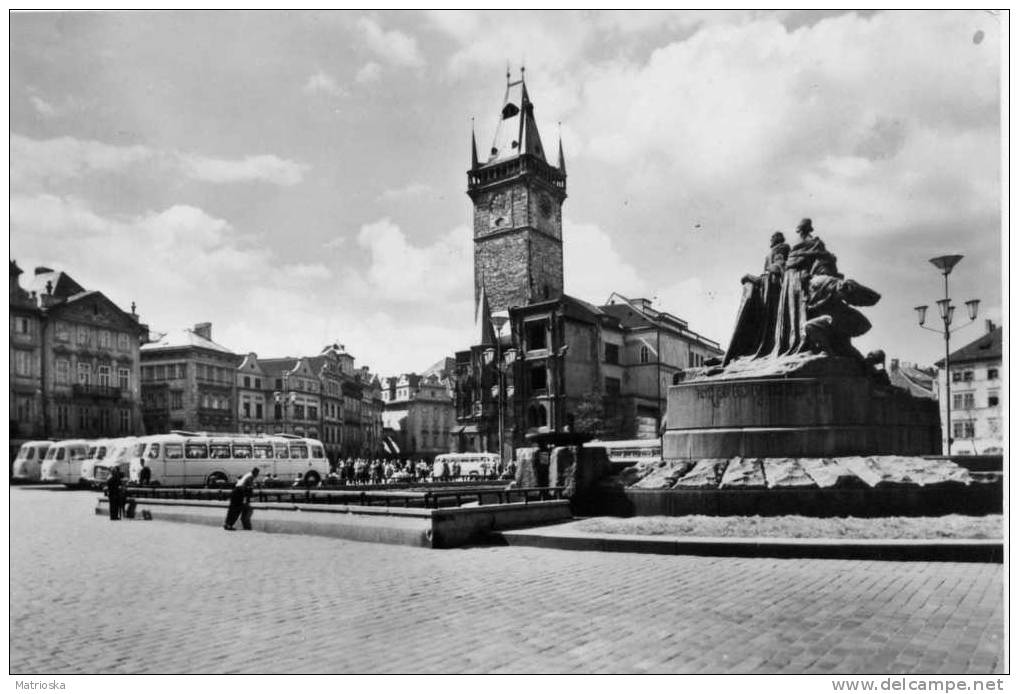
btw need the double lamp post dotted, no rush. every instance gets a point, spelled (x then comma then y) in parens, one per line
(945, 263)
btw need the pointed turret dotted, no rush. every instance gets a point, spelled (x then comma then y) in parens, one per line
(474, 148)
(484, 333)
(562, 159)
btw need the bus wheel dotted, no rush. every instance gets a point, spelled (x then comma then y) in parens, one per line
(311, 479)
(216, 479)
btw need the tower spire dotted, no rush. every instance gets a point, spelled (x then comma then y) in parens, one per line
(484, 333)
(474, 147)
(562, 159)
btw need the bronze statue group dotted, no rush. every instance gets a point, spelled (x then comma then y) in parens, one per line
(801, 303)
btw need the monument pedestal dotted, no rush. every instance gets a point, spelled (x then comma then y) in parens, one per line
(828, 409)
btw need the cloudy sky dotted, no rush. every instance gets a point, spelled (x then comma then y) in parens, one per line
(298, 178)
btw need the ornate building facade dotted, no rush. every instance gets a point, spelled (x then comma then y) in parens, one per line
(74, 369)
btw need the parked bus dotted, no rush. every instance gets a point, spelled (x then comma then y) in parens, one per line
(109, 453)
(472, 465)
(630, 452)
(27, 465)
(63, 462)
(180, 459)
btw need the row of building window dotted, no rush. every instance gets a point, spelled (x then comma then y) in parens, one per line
(92, 419)
(644, 355)
(88, 336)
(102, 375)
(162, 399)
(967, 401)
(966, 376)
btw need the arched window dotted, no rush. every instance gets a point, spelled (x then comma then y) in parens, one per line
(645, 354)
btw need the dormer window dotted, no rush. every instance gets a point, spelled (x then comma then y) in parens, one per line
(509, 110)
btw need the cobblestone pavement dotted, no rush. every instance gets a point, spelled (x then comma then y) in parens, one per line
(88, 595)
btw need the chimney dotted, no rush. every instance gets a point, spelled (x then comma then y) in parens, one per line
(203, 330)
(894, 365)
(991, 327)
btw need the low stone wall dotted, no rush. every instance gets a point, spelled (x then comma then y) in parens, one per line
(437, 528)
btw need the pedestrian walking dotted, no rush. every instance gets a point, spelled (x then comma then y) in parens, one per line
(240, 501)
(114, 492)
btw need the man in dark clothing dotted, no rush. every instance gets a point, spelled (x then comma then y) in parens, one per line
(113, 492)
(145, 474)
(240, 498)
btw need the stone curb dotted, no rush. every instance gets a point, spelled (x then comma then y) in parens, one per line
(989, 551)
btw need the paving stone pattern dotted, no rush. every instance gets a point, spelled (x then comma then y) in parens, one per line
(92, 596)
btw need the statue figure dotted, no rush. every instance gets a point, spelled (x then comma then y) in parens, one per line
(802, 305)
(755, 323)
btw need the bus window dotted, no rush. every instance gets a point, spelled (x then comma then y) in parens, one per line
(298, 450)
(92, 452)
(101, 453)
(60, 454)
(242, 450)
(27, 453)
(139, 449)
(281, 451)
(195, 451)
(219, 450)
(79, 453)
(317, 452)
(173, 451)
(153, 450)
(263, 450)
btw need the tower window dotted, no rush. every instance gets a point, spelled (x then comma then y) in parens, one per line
(539, 378)
(535, 335)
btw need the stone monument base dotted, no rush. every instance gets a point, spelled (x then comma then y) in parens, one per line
(817, 407)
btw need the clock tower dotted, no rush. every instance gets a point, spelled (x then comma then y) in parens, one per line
(518, 198)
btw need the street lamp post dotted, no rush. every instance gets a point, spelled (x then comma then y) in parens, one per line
(945, 263)
(503, 361)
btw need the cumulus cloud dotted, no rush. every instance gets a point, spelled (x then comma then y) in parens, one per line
(264, 167)
(323, 83)
(393, 46)
(368, 73)
(169, 261)
(399, 271)
(41, 165)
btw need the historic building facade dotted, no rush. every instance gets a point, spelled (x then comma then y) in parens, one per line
(544, 361)
(977, 386)
(74, 361)
(189, 382)
(419, 414)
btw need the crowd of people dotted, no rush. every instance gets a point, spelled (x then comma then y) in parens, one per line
(363, 471)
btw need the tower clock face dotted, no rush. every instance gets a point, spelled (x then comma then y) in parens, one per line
(499, 211)
(545, 205)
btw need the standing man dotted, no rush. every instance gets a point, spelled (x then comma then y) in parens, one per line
(240, 498)
(113, 492)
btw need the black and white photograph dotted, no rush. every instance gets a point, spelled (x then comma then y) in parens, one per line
(508, 342)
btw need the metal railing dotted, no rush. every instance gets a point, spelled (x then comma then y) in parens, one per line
(431, 499)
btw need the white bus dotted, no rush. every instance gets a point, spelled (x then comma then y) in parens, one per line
(180, 459)
(630, 452)
(109, 453)
(28, 463)
(472, 465)
(63, 462)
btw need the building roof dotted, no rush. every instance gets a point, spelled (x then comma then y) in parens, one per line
(63, 285)
(984, 348)
(175, 339)
(517, 131)
(917, 381)
(273, 367)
